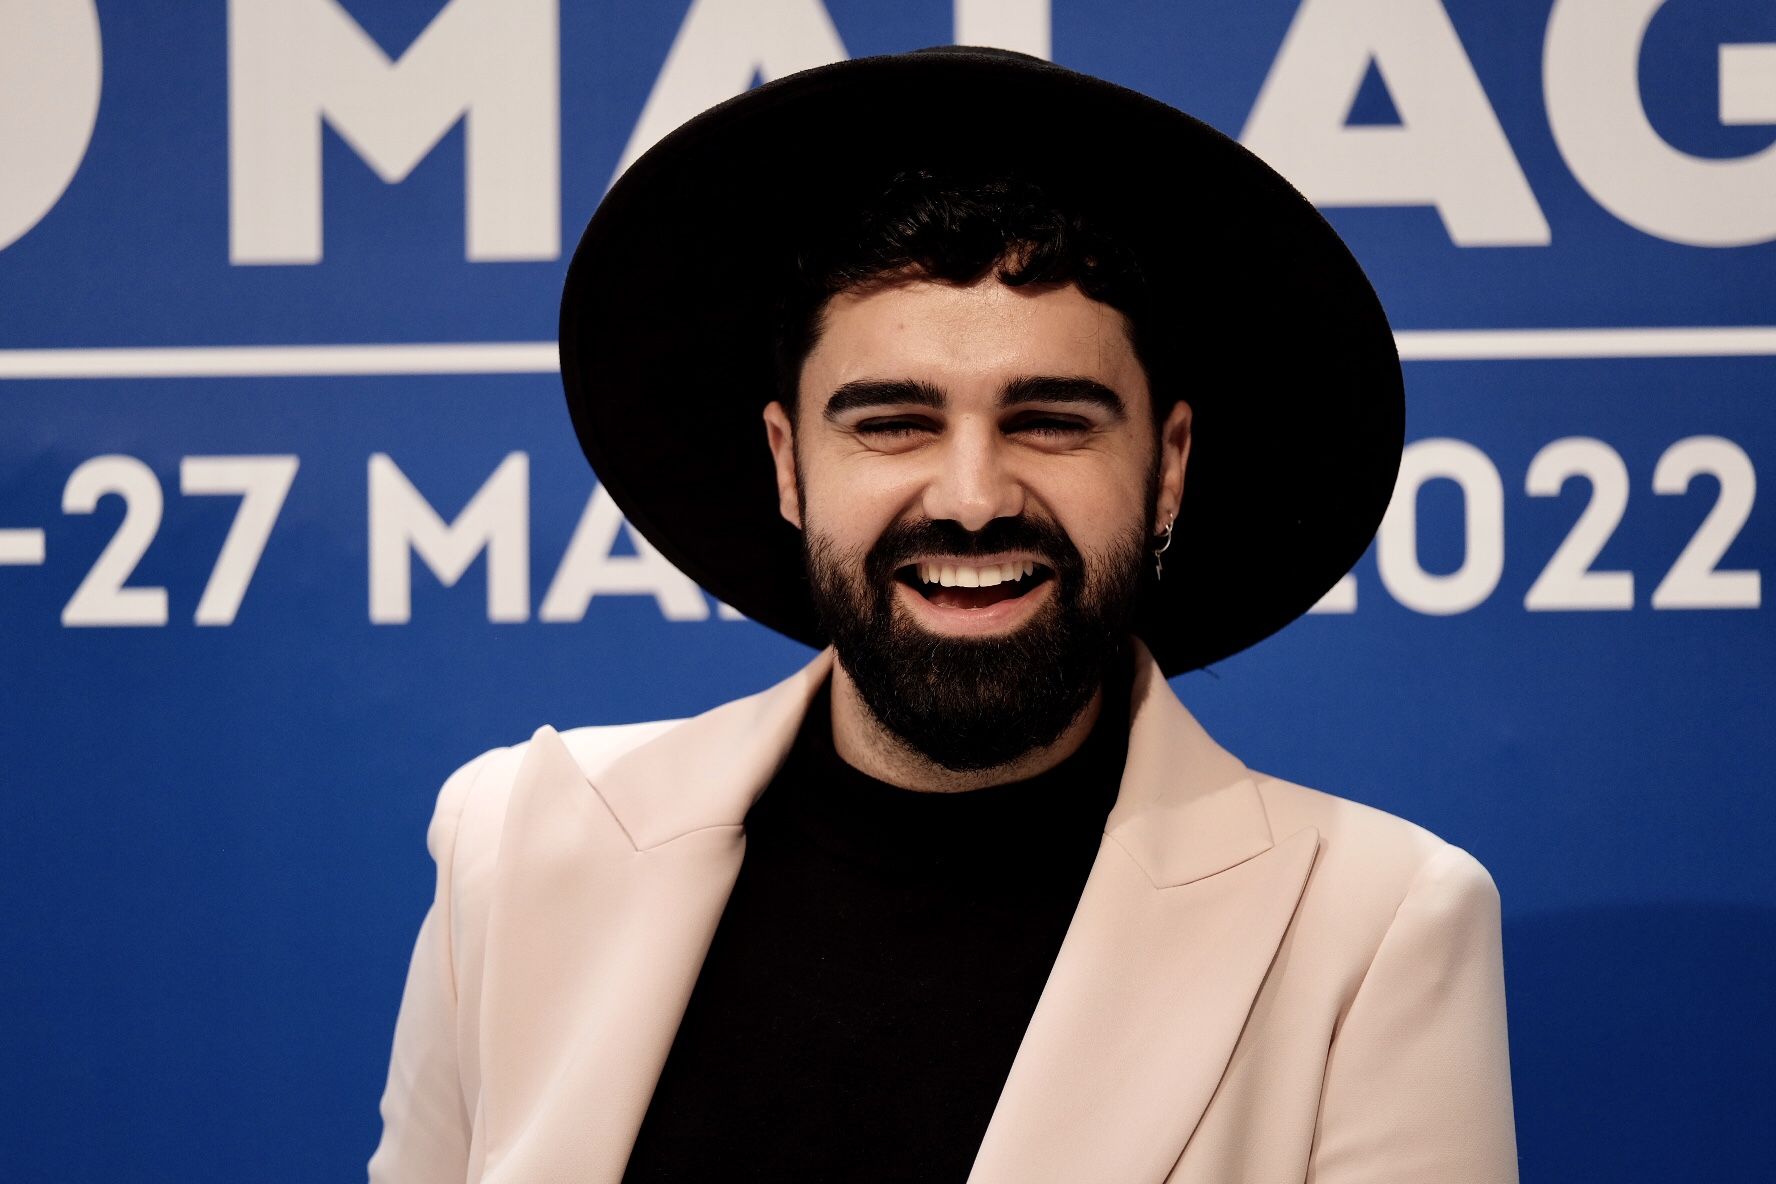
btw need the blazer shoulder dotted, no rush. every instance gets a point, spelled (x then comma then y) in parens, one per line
(471, 805)
(1368, 858)
(469, 821)
(597, 746)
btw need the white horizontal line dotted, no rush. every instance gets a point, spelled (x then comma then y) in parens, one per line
(539, 357)
(1476, 345)
(250, 361)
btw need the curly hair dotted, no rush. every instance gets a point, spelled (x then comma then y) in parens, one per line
(955, 229)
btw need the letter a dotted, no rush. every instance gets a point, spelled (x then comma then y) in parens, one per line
(1448, 151)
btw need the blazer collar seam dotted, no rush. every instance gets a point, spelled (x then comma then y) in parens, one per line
(1161, 886)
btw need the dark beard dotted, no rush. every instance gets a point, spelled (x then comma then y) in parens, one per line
(972, 703)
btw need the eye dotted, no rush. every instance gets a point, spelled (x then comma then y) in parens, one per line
(893, 427)
(1047, 424)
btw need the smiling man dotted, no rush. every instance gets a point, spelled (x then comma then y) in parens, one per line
(975, 470)
(1062, 393)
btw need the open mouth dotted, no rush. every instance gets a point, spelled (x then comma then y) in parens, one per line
(959, 585)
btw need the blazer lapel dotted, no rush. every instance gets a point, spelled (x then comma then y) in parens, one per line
(605, 898)
(1174, 933)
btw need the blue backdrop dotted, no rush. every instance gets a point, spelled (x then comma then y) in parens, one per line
(260, 595)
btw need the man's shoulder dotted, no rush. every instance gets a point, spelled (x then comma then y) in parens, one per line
(594, 747)
(473, 797)
(1291, 806)
(1366, 852)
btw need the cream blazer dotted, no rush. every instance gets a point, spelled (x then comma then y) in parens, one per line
(1261, 984)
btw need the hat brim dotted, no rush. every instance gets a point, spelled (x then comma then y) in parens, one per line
(1286, 356)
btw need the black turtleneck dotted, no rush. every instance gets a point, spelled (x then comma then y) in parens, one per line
(875, 969)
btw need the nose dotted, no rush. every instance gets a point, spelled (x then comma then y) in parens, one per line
(973, 483)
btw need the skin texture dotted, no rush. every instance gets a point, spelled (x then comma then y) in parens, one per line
(846, 474)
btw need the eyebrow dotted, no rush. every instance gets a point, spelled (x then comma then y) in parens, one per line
(878, 392)
(899, 392)
(1047, 389)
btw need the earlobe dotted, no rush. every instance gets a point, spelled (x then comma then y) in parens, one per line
(780, 436)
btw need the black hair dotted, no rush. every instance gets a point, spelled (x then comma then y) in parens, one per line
(955, 228)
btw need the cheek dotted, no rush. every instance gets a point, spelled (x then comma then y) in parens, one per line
(1099, 512)
(852, 504)
(848, 518)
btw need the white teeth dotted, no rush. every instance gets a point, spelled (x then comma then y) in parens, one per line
(955, 575)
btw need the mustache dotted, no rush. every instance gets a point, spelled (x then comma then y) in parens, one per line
(904, 542)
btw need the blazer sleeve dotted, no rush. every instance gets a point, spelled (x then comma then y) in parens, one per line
(1418, 1080)
(425, 1120)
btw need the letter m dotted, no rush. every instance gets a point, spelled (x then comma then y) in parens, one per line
(293, 63)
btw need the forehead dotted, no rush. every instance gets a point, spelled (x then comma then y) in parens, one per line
(969, 340)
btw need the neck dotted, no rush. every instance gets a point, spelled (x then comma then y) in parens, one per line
(864, 744)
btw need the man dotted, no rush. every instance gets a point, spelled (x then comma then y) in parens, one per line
(1063, 392)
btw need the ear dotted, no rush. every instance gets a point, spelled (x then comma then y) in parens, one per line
(780, 435)
(1174, 454)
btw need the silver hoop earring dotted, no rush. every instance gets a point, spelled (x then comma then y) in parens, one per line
(1159, 551)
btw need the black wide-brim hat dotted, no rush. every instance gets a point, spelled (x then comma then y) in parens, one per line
(1281, 347)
